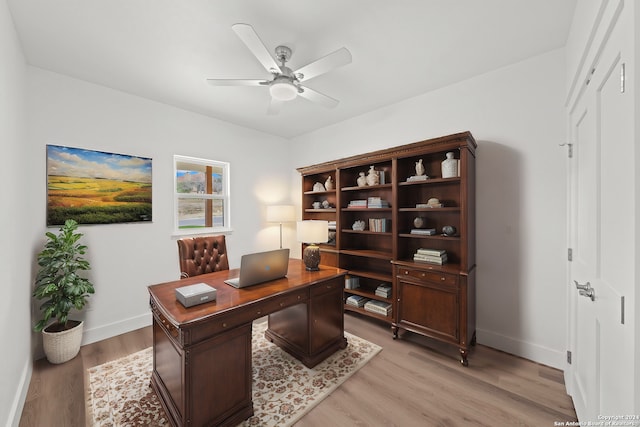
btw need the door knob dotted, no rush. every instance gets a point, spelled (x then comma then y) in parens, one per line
(586, 290)
(582, 287)
(590, 293)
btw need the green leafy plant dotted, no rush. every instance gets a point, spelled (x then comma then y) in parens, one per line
(57, 281)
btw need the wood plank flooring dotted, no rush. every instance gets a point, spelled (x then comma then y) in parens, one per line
(413, 381)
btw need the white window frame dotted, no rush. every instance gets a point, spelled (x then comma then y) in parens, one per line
(225, 196)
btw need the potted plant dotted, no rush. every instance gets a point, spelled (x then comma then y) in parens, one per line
(62, 289)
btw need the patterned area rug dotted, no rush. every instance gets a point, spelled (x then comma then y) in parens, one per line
(283, 388)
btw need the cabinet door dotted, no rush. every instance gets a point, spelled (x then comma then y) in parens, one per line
(430, 309)
(326, 314)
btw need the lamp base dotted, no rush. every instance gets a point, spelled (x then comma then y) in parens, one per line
(311, 257)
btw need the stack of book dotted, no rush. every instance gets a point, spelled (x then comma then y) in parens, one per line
(431, 256)
(357, 301)
(378, 307)
(357, 204)
(378, 225)
(384, 290)
(377, 202)
(351, 282)
(332, 225)
(424, 231)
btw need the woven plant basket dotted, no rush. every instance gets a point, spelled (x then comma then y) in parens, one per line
(60, 347)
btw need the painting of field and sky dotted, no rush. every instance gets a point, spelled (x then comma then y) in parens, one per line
(93, 187)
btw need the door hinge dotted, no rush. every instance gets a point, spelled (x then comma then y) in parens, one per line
(568, 357)
(570, 254)
(622, 78)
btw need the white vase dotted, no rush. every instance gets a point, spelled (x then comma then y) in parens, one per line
(60, 347)
(328, 184)
(372, 177)
(449, 166)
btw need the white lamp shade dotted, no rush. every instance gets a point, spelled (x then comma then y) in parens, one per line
(313, 231)
(281, 213)
(283, 90)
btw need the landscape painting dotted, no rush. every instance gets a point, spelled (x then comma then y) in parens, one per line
(93, 187)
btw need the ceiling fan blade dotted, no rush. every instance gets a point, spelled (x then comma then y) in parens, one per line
(333, 60)
(236, 82)
(274, 107)
(250, 38)
(315, 96)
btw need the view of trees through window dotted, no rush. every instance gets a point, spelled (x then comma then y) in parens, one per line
(201, 193)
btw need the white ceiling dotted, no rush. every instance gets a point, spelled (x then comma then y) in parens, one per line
(165, 49)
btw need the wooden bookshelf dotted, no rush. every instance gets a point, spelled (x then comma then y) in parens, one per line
(429, 299)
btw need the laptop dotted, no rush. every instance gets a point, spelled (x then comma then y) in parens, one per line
(261, 267)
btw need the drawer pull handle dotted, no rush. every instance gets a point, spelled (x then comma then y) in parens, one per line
(423, 275)
(259, 312)
(443, 278)
(224, 325)
(406, 272)
(281, 304)
(299, 296)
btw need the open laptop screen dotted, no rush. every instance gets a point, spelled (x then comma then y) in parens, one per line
(261, 267)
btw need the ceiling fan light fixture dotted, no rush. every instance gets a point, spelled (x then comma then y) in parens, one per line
(283, 90)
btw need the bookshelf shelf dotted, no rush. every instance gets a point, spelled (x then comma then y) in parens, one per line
(387, 319)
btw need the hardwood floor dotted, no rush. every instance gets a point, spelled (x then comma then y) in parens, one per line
(413, 381)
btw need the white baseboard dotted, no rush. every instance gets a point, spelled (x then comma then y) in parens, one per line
(534, 352)
(15, 411)
(116, 328)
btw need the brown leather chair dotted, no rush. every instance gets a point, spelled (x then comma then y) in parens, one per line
(200, 255)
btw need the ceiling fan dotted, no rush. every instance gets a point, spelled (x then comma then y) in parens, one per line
(285, 84)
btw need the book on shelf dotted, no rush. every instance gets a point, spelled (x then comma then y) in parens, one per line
(424, 231)
(382, 176)
(357, 301)
(357, 204)
(432, 256)
(427, 205)
(383, 290)
(417, 178)
(431, 259)
(351, 282)
(427, 251)
(377, 202)
(378, 307)
(378, 224)
(332, 225)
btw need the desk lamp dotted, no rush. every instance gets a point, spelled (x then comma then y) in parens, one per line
(312, 232)
(281, 213)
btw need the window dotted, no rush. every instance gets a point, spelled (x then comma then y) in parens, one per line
(201, 195)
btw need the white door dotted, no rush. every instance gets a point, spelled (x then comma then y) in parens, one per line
(601, 216)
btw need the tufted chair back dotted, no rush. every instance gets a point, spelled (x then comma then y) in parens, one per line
(200, 255)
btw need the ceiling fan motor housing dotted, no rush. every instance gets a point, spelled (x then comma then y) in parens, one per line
(283, 53)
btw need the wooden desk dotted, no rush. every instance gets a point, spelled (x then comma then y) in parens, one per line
(202, 355)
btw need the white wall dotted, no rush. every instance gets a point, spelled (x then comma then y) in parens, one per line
(516, 116)
(126, 258)
(15, 262)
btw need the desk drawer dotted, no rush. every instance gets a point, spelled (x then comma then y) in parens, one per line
(289, 300)
(164, 323)
(428, 276)
(245, 315)
(326, 287)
